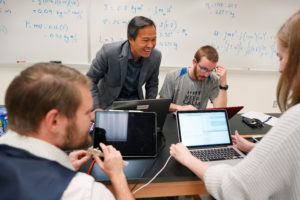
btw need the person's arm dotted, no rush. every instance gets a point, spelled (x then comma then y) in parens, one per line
(241, 143)
(151, 87)
(174, 107)
(168, 89)
(221, 99)
(112, 166)
(96, 73)
(184, 156)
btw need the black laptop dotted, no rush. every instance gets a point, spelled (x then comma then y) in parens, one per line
(159, 106)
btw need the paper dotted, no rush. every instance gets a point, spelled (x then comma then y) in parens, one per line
(267, 119)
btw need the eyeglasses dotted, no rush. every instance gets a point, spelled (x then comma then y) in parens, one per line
(205, 70)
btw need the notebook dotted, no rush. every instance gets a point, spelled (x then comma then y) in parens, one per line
(207, 133)
(231, 111)
(132, 133)
(159, 106)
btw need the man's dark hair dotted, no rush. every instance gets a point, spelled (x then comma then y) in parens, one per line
(137, 23)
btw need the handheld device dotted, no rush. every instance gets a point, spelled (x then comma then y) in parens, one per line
(132, 133)
(253, 123)
(98, 152)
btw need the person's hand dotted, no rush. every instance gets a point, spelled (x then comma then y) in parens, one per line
(181, 153)
(187, 107)
(177, 107)
(94, 112)
(241, 143)
(77, 158)
(112, 165)
(221, 72)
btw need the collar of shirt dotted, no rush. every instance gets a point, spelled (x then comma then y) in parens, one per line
(131, 59)
(36, 147)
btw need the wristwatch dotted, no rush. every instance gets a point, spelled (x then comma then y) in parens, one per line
(223, 88)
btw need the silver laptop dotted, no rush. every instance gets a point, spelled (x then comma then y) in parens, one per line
(206, 133)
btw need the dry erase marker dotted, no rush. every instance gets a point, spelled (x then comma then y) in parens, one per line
(92, 128)
(56, 61)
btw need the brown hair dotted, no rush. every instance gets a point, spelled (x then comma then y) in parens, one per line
(37, 90)
(207, 51)
(288, 89)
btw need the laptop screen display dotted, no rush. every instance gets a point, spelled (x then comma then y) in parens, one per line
(203, 128)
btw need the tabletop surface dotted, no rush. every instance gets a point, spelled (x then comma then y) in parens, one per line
(143, 169)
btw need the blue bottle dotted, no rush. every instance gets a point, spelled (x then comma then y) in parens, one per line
(3, 122)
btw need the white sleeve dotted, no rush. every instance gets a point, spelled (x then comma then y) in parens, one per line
(84, 187)
(223, 183)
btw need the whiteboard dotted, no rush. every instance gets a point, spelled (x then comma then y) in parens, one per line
(243, 31)
(43, 30)
(72, 31)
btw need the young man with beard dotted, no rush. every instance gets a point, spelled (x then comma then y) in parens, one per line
(49, 111)
(120, 69)
(190, 88)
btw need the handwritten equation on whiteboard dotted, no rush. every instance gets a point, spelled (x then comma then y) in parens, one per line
(47, 18)
(173, 33)
(119, 15)
(60, 10)
(238, 43)
(222, 8)
(41, 30)
(4, 11)
(239, 35)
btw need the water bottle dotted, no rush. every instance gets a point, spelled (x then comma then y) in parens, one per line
(3, 122)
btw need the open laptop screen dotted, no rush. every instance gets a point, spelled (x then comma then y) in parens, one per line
(203, 128)
(132, 133)
(231, 111)
(159, 106)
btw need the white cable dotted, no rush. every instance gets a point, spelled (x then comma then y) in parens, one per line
(153, 177)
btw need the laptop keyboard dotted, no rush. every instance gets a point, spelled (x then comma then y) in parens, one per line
(216, 154)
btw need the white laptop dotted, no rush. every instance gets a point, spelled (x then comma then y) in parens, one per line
(206, 133)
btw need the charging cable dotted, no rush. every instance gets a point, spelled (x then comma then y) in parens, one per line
(153, 177)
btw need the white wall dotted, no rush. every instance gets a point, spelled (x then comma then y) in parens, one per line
(256, 90)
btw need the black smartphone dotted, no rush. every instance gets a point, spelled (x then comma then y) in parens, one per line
(253, 123)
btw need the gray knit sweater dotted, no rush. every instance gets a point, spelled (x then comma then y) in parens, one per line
(270, 171)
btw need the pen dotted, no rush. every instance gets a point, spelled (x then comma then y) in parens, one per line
(92, 127)
(267, 119)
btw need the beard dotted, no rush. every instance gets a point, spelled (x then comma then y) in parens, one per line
(74, 139)
(198, 78)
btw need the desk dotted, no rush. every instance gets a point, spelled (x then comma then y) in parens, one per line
(236, 124)
(175, 179)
